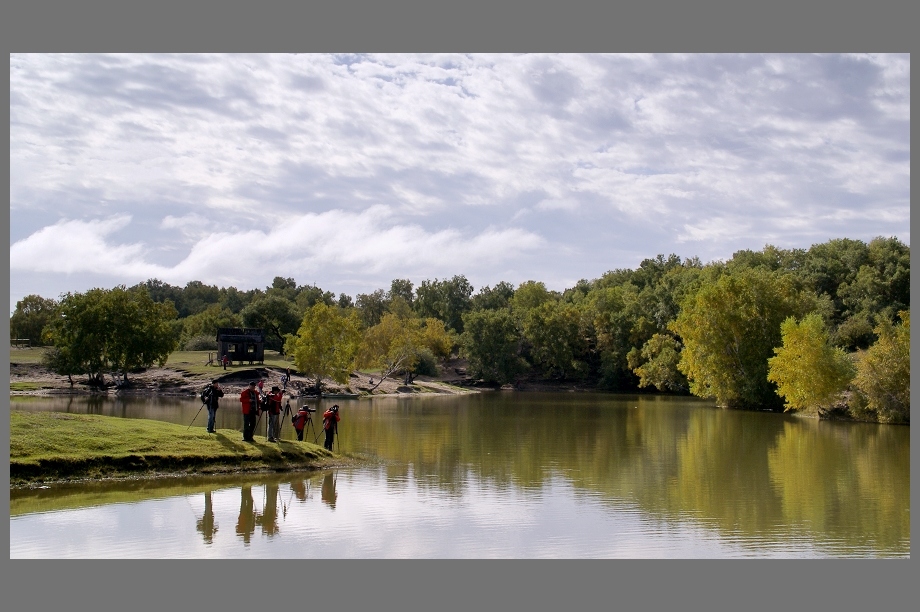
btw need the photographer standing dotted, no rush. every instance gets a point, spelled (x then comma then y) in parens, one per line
(330, 424)
(249, 399)
(273, 403)
(300, 421)
(211, 396)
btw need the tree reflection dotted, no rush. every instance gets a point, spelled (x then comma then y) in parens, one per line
(206, 524)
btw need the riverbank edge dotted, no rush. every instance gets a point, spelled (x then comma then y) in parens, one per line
(99, 448)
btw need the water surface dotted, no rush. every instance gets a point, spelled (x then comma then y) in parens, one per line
(509, 475)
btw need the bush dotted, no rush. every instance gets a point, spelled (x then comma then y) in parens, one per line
(427, 363)
(201, 343)
(883, 372)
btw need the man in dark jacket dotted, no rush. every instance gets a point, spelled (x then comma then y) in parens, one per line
(211, 395)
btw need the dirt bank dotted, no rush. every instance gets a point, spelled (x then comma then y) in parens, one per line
(35, 379)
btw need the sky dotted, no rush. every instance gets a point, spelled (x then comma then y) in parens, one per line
(349, 171)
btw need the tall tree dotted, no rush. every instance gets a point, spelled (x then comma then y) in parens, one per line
(810, 373)
(326, 344)
(119, 329)
(883, 371)
(446, 300)
(729, 329)
(491, 341)
(32, 314)
(275, 314)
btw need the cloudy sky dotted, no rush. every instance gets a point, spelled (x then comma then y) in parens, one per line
(348, 171)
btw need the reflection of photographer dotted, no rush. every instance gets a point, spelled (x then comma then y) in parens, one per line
(330, 424)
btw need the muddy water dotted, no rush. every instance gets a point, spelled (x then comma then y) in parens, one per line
(506, 475)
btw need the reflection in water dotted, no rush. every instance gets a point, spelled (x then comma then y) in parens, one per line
(246, 523)
(328, 491)
(206, 524)
(269, 517)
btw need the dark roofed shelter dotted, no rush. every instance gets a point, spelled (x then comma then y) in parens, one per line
(241, 344)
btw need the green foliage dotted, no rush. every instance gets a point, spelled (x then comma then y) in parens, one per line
(558, 337)
(729, 329)
(491, 342)
(809, 373)
(32, 314)
(490, 298)
(446, 300)
(656, 364)
(200, 343)
(883, 372)
(326, 343)
(309, 296)
(401, 288)
(119, 329)
(276, 315)
(206, 324)
(372, 307)
(530, 295)
(398, 343)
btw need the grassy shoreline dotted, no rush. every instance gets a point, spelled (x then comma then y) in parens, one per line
(53, 447)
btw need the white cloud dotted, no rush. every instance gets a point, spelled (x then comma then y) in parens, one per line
(374, 165)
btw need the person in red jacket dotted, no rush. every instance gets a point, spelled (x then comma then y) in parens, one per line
(249, 399)
(300, 421)
(330, 424)
(273, 400)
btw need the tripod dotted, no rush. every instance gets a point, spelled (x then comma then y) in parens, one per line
(308, 423)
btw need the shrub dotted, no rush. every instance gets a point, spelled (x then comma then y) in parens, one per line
(201, 343)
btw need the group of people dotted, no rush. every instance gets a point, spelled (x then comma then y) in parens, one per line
(254, 403)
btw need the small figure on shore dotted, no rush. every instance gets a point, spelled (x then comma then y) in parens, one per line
(330, 424)
(225, 361)
(211, 397)
(249, 399)
(273, 404)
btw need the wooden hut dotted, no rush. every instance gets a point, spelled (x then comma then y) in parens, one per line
(241, 344)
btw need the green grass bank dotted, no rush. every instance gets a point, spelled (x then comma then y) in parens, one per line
(54, 447)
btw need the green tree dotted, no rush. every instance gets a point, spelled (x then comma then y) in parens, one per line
(391, 345)
(139, 330)
(307, 296)
(446, 300)
(32, 314)
(326, 344)
(401, 288)
(729, 329)
(372, 307)
(275, 314)
(491, 341)
(207, 322)
(493, 298)
(809, 373)
(400, 343)
(101, 330)
(883, 371)
(558, 337)
(656, 364)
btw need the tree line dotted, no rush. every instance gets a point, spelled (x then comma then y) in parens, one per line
(822, 329)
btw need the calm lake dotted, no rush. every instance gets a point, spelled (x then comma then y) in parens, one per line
(503, 475)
